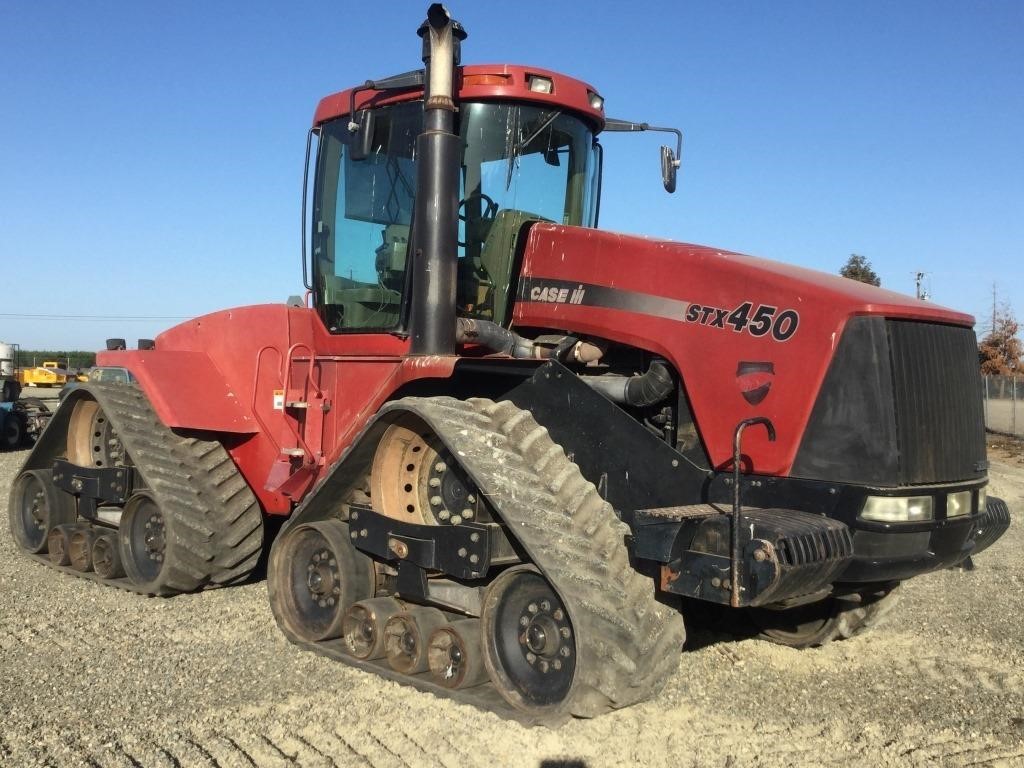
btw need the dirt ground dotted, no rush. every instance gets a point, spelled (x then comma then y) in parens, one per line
(96, 677)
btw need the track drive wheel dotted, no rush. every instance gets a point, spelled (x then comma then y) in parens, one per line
(91, 439)
(529, 644)
(833, 618)
(37, 506)
(417, 480)
(315, 575)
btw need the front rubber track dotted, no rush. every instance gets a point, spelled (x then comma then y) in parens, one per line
(218, 524)
(627, 642)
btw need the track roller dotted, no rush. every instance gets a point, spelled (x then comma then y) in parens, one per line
(406, 635)
(530, 647)
(58, 543)
(36, 507)
(363, 626)
(315, 575)
(106, 556)
(455, 654)
(80, 548)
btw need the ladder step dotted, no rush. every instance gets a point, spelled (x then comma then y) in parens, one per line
(293, 452)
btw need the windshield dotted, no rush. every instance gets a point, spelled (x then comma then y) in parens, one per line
(520, 163)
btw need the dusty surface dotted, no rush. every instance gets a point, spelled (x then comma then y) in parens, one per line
(93, 676)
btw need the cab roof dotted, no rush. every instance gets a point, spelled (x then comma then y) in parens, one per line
(481, 82)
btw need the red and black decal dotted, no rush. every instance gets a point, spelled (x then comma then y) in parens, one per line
(755, 380)
(759, 320)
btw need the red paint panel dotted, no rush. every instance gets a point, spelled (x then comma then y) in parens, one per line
(220, 373)
(186, 390)
(707, 357)
(480, 82)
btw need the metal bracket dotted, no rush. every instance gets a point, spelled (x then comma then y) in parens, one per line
(463, 551)
(111, 485)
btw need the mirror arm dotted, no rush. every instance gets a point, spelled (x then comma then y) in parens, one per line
(402, 82)
(628, 126)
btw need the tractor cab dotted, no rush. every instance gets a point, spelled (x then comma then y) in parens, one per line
(521, 162)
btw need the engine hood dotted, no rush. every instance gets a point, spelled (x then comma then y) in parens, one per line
(748, 336)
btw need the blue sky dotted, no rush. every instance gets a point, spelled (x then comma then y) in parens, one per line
(151, 154)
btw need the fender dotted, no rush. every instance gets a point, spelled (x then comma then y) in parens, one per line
(187, 391)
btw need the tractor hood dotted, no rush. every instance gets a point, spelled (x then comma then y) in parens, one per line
(730, 324)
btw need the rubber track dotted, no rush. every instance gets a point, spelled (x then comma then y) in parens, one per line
(627, 643)
(217, 522)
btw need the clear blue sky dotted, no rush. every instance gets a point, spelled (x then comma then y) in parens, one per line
(151, 153)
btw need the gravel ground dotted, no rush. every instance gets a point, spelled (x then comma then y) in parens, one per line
(94, 676)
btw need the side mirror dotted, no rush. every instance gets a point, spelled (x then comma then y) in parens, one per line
(362, 142)
(669, 158)
(669, 164)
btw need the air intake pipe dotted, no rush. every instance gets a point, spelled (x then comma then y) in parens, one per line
(435, 217)
(639, 391)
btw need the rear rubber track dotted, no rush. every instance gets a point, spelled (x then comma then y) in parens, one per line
(627, 643)
(217, 522)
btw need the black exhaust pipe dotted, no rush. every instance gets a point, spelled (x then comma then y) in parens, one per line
(435, 223)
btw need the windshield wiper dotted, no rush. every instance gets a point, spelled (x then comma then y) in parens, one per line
(517, 150)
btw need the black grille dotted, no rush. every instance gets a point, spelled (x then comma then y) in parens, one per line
(900, 405)
(940, 421)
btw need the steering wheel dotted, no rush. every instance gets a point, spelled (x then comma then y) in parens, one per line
(486, 216)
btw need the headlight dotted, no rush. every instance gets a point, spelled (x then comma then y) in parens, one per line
(897, 509)
(958, 504)
(539, 84)
(982, 498)
(596, 102)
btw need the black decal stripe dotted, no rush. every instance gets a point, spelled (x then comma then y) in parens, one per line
(610, 298)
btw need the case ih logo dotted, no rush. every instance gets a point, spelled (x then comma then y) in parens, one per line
(555, 294)
(755, 379)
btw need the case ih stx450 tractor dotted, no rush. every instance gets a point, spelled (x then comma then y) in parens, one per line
(506, 515)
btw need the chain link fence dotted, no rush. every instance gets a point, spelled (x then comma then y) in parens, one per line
(1004, 404)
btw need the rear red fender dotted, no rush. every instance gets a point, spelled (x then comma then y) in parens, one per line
(229, 373)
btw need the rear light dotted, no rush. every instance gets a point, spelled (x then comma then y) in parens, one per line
(539, 84)
(958, 504)
(898, 509)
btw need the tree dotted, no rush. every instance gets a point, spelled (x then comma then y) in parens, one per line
(859, 268)
(1000, 351)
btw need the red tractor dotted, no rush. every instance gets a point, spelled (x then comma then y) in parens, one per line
(505, 441)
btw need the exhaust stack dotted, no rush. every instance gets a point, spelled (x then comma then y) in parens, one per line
(435, 222)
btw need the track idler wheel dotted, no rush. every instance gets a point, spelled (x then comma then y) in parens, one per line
(455, 654)
(37, 506)
(363, 626)
(80, 548)
(529, 643)
(316, 576)
(106, 556)
(143, 535)
(406, 638)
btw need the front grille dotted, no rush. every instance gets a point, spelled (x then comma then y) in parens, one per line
(940, 421)
(900, 405)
